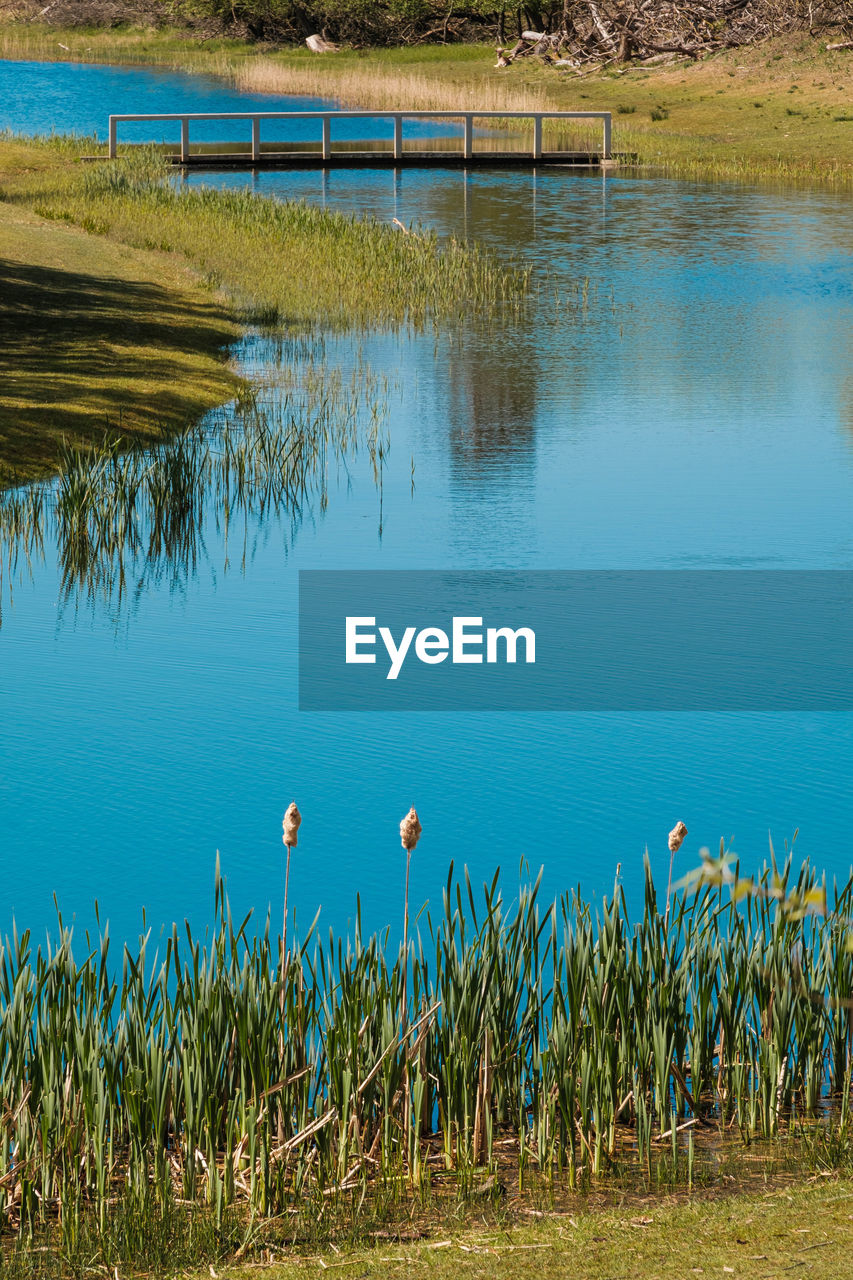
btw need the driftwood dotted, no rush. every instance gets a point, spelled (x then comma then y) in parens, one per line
(592, 33)
(318, 45)
(532, 44)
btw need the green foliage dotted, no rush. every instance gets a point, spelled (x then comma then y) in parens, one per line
(378, 22)
(287, 258)
(569, 1041)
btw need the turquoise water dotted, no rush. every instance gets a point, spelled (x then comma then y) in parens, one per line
(696, 413)
(49, 97)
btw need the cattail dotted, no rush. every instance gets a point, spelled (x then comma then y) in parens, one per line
(675, 841)
(410, 830)
(676, 837)
(290, 825)
(410, 834)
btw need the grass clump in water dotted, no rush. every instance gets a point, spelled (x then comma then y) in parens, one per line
(297, 263)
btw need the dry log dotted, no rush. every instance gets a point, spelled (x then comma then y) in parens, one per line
(318, 45)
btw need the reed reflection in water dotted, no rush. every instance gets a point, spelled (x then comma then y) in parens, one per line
(125, 516)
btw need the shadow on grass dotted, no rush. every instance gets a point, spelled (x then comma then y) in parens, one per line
(83, 354)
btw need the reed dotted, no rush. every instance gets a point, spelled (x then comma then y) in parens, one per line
(399, 87)
(550, 1040)
(290, 838)
(410, 833)
(287, 261)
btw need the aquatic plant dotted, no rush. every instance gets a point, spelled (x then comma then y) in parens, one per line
(283, 260)
(290, 837)
(558, 1042)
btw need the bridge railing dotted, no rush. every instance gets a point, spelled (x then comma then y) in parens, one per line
(326, 117)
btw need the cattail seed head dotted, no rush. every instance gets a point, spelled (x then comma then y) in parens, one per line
(676, 837)
(290, 825)
(410, 830)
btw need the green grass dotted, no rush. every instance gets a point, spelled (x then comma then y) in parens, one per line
(713, 128)
(122, 325)
(788, 1231)
(97, 336)
(286, 261)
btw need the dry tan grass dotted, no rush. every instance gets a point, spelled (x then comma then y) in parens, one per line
(395, 90)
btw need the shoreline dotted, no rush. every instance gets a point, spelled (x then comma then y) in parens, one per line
(122, 294)
(118, 341)
(778, 112)
(530, 1081)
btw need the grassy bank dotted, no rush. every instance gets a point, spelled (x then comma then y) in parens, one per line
(791, 1230)
(788, 1227)
(778, 111)
(121, 289)
(768, 1231)
(98, 337)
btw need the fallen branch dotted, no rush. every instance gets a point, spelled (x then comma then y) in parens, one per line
(679, 1128)
(310, 1130)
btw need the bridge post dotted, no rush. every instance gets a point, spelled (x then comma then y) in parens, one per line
(185, 139)
(113, 146)
(256, 138)
(607, 129)
(398, 137)
(468, 147)
(327, 138)
(537, 137)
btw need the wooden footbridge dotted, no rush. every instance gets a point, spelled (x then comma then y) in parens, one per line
(481, 149)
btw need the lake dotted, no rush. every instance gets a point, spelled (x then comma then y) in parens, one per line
(696, 412)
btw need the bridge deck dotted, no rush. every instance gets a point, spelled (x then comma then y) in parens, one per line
(384, 160)
(328, 154)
